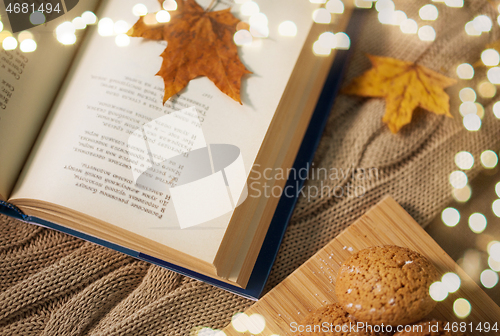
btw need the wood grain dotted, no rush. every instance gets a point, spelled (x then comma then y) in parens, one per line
(312, 285)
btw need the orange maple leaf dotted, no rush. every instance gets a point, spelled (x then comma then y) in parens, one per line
(200, 43)
(405, 86)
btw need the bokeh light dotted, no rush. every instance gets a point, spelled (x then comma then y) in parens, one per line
(242, 37)
(451, 281)
(489, 278)
(493, 264)
(467, 95)
(9, 43)
(140, 9)
(328, 40)
(464, 70)
(409, 26)
(163, 16)
(493, 75)
(490, 57)
(462, 195)
(486, 90)
(438, 291)
(454, 3)
(497, 189)
(28, 45)
(249, 8)
(120, 27)
(450, 217)
(79, 23)
(335, 6)
(287, 28)
(496, 110)
(343, 41)
(458, 179)
(489, 159)
(482, 23)
(470, 30)
(472, 122)
(428, 12)
(495, 207)
(89, 18)
(461, 308)
(427, 33)
(477, 222)
(321, 15)
(170, 5)
(494, 251)
(105, 27)
(464, 160)
(385, 5)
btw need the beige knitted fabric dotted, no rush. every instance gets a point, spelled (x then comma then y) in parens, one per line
(53, 284)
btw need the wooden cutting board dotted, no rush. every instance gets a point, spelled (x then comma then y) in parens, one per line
(312, 285)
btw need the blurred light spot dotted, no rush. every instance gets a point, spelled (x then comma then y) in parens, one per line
(494, 251)
(259, 19)
(496, 110)
(9, 43)
(467, 95)
(465, 71)
(169, 5)
(37, 18)
(450, 217)
(363, 3)
(464, 160)
(472, 122)
(400, 17)
(384, 5)
(1, 26)
(409, 26)
(337, 6)
(451, 282)
(498, 20)
(493, 264)
(120, 27)
(328, 40)
(240, 322)
(321, 15)
(287, 28)
(259, 31)
(105, 27)
(140, 9)
(249, 8)
(387, 16)
(24, 35)
(79, 23)
(462, 195)
(479, 110)
(122, 40)
(482, 23)
(257, 323)
(89, 18)
(321, 50)
(487, 90)
(67, 38)
(489, 159)
(242, 37)
(27, 45)
(489, 278)
(427, 33)
(4, 34)
(496, 207)
(458, 179)
(343, 41)
(454, 3)
(163, 16)
(497, 189)
(240, 1)
(317, 1)
(493, 75)
(467, 108)
(65, 28)
(438, 291)
(462, 308)
(150, 19)
(490, 57)
(477, 222)
(470, 30)
(428, 12)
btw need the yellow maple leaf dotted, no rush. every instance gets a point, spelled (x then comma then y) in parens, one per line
(405, 86)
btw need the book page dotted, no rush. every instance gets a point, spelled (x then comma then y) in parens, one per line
(83, 162)
(28, 85)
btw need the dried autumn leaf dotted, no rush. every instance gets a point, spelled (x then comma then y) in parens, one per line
(200, 43)
(405, 86)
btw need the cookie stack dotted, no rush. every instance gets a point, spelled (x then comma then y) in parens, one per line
(378, 290)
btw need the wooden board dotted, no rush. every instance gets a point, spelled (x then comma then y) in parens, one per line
(312, 285)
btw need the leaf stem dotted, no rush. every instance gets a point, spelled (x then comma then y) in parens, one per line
(212, 5)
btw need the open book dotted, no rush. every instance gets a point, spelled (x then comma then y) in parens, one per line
(66, 128)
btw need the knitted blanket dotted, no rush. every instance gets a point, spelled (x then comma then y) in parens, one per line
(54, 284)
